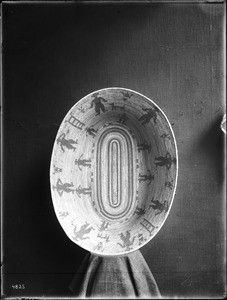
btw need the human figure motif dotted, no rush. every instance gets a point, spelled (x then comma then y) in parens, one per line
(145, 177)
(84, 191)
(157, 205)
(126, 240)
(82, 162)
(140, 211)
(151, 113)
(103, 226)
(63, 187)
(97, 102)
(91, 131)
(66, 143)
(79, 234)
(165, 161)
(144, 146)
(141, 238)
(123, 118)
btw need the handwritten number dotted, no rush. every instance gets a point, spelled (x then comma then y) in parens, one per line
(18, 286)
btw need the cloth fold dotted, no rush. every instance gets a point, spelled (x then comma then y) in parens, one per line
(114, 277)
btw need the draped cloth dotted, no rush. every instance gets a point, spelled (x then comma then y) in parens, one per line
(114, 277)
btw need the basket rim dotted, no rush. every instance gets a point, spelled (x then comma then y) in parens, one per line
(176, 175)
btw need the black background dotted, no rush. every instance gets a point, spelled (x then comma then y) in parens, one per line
(53, 55)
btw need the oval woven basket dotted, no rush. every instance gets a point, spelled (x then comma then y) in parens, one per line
(113, 171)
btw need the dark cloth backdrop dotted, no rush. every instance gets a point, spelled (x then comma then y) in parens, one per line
(56, 53)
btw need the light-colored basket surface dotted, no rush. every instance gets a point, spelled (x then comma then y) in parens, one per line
(113, 171)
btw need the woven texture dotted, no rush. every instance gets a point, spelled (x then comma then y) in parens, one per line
(115, 277)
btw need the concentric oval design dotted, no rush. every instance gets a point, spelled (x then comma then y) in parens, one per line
(115, 160)
(113, 171)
